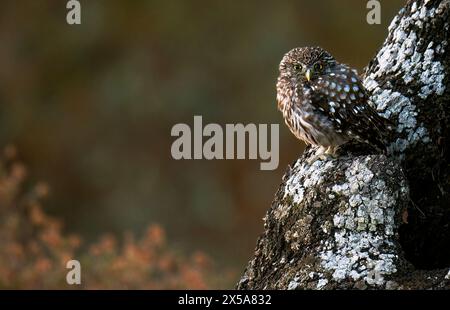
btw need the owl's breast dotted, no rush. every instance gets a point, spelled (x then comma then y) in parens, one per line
(308, 122)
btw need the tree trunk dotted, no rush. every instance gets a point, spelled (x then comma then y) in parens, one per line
(366, 220)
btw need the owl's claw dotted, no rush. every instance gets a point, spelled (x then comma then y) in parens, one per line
(322, 157)
(332, 151)
(323, 154)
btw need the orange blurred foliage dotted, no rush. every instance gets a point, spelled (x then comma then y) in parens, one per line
(34, 250)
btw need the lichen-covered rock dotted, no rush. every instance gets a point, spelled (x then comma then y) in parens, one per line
(366, 220)
(335, 224)
(333, 221)
(409, 82)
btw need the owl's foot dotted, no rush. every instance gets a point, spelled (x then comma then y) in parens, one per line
(332, 151)
(323, 153)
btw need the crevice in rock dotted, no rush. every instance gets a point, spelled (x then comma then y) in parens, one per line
(425, 239)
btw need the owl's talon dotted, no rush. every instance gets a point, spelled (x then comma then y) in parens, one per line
(331, 152)
(322, 154)
(322, 157)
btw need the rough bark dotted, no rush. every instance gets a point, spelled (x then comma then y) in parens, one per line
(366, 220)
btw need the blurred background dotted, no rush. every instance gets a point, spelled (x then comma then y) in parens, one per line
(88, 110)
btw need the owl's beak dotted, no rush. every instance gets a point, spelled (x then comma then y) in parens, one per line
(308, 74)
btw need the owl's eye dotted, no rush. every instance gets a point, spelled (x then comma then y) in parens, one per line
(298, 67)
(318, 66)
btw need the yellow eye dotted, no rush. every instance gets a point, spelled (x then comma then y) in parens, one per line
(297, 66)
(318, 66)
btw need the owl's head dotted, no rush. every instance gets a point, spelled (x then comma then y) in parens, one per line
(303, 64)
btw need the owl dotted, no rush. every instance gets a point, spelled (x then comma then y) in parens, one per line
(324, 103)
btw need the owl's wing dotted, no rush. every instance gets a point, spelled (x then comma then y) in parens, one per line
(341, 96)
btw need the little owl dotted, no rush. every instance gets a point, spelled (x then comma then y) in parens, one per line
(325, 104)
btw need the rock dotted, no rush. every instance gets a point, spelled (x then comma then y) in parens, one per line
(367, 220)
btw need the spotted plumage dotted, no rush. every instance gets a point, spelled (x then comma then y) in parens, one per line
(324, 102)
